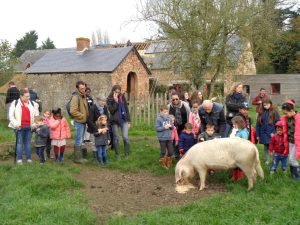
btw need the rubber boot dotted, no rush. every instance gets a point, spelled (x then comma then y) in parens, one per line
(117, 150)
(240, 174)
(169, 162)
(78, 155)
(234, 174)
(295, 172)
(95, 156)
(84, 154)
(126, 150)
(163, 162)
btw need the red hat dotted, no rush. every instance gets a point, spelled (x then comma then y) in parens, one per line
(278, 123)
(290, 102)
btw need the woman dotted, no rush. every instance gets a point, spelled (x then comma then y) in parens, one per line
(265, 126)
(186, 98)
(197, 96)
(233, 103)
(119, 117)
(21, 117)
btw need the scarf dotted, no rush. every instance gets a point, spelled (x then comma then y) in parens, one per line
(237, 96)
(100, 108)
(178, 118)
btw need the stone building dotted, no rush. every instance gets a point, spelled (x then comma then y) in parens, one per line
(54, 75)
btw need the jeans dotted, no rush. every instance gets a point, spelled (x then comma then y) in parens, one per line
(279, 158)
(292, 155)
(102, 155)
(166, 145)
(79, 133)
(40, 152)
(23, 136)
(124, 129)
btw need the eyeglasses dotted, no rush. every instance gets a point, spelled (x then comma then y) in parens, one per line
(175, 99)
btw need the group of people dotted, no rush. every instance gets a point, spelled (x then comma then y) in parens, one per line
(184, 122)
(95, 122)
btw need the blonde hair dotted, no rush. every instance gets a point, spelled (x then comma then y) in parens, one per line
(100, 120)
(38, 119)
(234, 86)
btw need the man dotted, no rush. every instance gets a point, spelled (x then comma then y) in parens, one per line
(79, 111)
(257, 101)
(12, 94)
(212, 113)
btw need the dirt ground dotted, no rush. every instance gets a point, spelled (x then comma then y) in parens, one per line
(117, 193)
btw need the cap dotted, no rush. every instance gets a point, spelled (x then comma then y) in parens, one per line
(101, 97)
(244, 105)
(278, 123)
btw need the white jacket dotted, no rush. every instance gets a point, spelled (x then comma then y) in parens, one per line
(15, 113)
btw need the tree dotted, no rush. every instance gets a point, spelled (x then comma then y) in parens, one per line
(100, 37)
(7, 61)
(207, 36)
(28, 42)
(47, 44)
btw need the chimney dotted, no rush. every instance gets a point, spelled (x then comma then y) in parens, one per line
(82, 43)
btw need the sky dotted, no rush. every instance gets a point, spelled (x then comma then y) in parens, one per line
(65, 20)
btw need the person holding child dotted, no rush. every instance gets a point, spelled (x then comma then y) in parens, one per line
(41, 137)
(164, 128)
(186, 139)
(102, 139)
(277, 149)
(59, 131)
(241, 132)
(291, 136)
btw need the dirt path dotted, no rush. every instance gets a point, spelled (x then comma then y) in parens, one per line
(116, 193)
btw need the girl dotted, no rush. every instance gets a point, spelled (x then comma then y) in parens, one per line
(265, 126)
(102, 139)
(194, 119)
(241, 132)
(291, 136)
(59, 131)
(186, 98)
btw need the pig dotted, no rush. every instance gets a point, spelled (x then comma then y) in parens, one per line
(219, 154)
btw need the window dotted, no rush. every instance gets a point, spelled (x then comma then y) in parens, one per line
(275, 88)
(246, 89)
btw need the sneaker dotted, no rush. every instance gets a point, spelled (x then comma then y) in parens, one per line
(272, 172)
(29, 160)
(19, 162)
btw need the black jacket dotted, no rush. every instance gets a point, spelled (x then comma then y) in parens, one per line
(113, 108)
(233, 106)
(12, 94)
(216, 117)
(103, 138)
(93, 116)
(42, 134)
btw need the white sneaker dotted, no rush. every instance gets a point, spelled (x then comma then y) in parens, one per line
(29, 160)
(19, 162)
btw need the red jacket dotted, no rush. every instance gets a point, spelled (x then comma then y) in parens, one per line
(59, 129)
(175, 135)
(296, 134)
(277, 145)
(257, 99)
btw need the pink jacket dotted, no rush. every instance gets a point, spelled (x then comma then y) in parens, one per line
(175, 135)
(296, 134)
(59, 129)
(196, 122)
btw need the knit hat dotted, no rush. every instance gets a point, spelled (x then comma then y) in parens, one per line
(116, 87)
(244, 105)
(278, 124)
(101, 97)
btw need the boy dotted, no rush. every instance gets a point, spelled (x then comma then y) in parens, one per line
(186, 139)
(164, 127)
(277, 149)
(209, 133)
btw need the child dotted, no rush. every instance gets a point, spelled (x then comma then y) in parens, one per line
(194, 119)
(42, 134)
(164, 128)
(186, 139)
(102, 139)
(277, 150)
(265, 126)
(60, 130)
(175, 138)
(209, 133)
(241, 132)
(46, 118)
(291, 136)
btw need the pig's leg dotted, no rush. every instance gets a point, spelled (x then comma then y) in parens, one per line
(202, 175)
(251, 177)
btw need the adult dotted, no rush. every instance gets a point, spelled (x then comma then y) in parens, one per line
(87, 135)
(12, 94)
(119, 117)
(21, 119)
(233, 102)
(34, 97)
(186, 98)
(96, 110)
(291, 136)
(257, 101)
(212, 113)
(197, 96)
(79, 111)
(180, 110)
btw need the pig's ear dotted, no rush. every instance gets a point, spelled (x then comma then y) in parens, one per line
(180, 176)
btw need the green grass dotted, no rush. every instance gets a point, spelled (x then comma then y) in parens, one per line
(35, 194)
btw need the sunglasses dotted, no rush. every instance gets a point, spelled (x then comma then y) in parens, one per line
(175, 99)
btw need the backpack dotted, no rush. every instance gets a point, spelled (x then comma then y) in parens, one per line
(68, 105)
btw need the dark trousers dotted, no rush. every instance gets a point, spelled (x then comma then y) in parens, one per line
(166, 146)
(40, 152)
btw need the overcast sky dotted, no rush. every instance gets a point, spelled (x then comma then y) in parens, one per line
(64, 20)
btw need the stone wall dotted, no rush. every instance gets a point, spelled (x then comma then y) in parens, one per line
(55, 89)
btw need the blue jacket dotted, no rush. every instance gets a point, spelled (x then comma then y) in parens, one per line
(217, 117)
(164, 134)
(264, 129)
(244, 134)
(186, 141)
